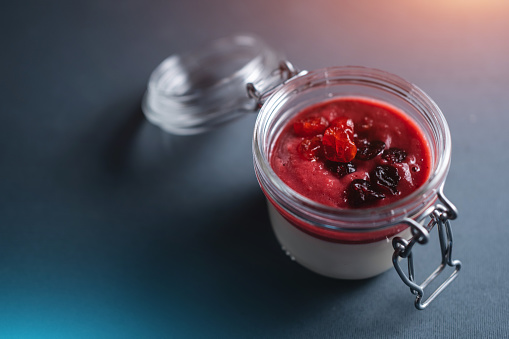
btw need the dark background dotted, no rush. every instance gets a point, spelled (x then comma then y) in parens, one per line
(111, 228)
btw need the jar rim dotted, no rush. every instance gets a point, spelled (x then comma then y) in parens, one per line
(363, 219)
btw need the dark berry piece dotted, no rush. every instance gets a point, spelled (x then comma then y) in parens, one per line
(361, 193)
(309, 127)
(311, 149)
(340, 169)
(394, 155)
(386, 176)
(367, 150)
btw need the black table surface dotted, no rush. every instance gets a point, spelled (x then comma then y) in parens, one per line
(112, 228)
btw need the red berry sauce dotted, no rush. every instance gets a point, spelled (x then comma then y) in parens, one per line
(352, 153)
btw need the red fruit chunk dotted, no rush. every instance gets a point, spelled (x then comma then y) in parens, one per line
(309, 127)
(338, 144)
(311, 149)
(343, 123)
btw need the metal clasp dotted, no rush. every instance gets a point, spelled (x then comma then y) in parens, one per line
(440, 215)
(284, 72)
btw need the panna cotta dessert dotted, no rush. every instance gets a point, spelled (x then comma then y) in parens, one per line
(346, 156)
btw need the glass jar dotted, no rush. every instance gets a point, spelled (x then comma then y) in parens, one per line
(352, 243)
(339, 243)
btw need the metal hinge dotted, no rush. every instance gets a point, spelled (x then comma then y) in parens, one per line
(440, 215)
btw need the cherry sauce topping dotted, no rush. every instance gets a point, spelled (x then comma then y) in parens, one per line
(338, 146)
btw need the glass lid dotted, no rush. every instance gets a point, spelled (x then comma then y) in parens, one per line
(193, 92)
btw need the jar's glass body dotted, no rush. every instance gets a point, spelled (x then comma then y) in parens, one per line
(346, 243)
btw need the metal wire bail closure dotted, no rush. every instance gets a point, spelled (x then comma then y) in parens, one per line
(440, 216)
(284, 72)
